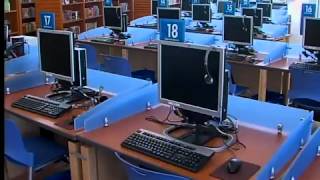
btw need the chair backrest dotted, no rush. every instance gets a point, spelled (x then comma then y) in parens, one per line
(304, 84)
(92, 62)
(138, 173)
(116, 65)
(14, 146)
(232, 86)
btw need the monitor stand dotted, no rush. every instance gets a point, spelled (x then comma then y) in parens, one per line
(199, 132)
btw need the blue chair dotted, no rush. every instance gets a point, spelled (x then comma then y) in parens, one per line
(234, 89)
(116, 65)
(305, 90)
(34, 152)
(137, 173)
(64, 175)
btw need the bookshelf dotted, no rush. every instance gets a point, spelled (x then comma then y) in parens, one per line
(28, 17)
(74, 15)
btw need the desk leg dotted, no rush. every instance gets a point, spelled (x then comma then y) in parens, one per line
(262, 85)
(286, 87)
(89, 163)
(75, 161)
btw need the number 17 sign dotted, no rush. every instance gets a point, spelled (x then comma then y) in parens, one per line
(172, 30)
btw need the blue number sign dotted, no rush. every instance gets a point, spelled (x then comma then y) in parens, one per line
(48, 20)
(229, 8)
(172, 30)
(308, 10)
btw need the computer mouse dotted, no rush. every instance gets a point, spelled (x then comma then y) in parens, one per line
(234, 165)
(103, 98)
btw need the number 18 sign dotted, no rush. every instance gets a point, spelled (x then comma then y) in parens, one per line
(172, 30)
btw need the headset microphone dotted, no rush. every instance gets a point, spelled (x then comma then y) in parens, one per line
(207, 77)
(244, 28)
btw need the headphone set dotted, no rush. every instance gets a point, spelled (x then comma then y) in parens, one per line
(244, 28)
(208, 79)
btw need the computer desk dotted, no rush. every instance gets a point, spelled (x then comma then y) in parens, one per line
(257, 150)
(274, 76)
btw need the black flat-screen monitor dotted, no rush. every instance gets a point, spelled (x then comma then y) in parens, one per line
(154, 6)
(256, 13)
(56, 53)
(201, 12)
(238, 29)
(113, 17)
(186, 5)
(168, 13)
(182, 83)
(311, 36)
(221, 6)
(267, 9)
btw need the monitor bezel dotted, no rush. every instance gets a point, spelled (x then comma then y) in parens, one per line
(121, 20)
(303, 36)
(71, 43)
(190, 107)
(261, 19)
(166, 8)
(185, 10)
(151, 7)
(210, 13)
(237, 42)
(270, 9)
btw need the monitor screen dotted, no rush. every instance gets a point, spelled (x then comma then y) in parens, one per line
(186, 5)
(267, 8)
(154, 5)
(238, 29)
(168, 13)
(56, 53)
(311, 38)
(113, 17)
(221, 6)
(256, 13)
(201, 12)
(182, 83)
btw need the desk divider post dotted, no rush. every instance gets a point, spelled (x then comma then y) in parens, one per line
(75, 162)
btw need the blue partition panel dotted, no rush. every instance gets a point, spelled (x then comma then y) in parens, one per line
(275, 30)
(28, 62)
(119, 107)
(24, 81)
(143, 21)
(96, 32)
(287, 150)
(275, 50)
(305, 158)
(141, 35)
(266, 114)
(113, 83)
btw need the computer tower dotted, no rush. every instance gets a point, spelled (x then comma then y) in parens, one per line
(80, 67)
(124, 23)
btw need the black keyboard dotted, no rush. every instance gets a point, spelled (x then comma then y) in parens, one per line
(305, 66)
(41, 106)
(151, 46)
(169, 150)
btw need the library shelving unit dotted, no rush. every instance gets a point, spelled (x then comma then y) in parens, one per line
(12, 17)
(28, 17)
(74, 15)
(136, 8)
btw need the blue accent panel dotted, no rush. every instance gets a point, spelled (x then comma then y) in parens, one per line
(120, 107)
(288, 149)
(143, 21)
(275, 50)
(114, 83)
(266, 114)
(202, 39)
(305, 157)
(275, 30)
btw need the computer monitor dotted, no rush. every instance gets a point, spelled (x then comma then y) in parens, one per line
(311, 38)
(238, 30)
(256, 13)
(56, 53)
(201, 12)
(267, 9)
(113, 17)
(154, 6)
(183, 72)
(168, 13)
(186, 5)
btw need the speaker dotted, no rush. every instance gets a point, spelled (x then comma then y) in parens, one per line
(80, 67)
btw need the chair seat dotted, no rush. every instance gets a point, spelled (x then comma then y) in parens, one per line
(64, 175)
(45, 150)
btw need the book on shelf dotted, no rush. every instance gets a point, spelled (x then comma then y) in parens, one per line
(91, 25)
(29, 27)
(74, 29)
(70, 15)
(28, 12)
(92, 11)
